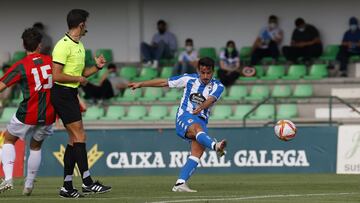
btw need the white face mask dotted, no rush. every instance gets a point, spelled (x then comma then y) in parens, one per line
(272, 25)
(188, 48)
(353, 27)
(302, 29)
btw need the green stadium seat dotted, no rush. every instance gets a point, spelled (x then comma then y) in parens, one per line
(134, 113)
(221, 112)
(7, 114)
(245, 54)
(89, 58)
(240, 112)
(267, 60)
(354, 58)
(129, 95)
(208, 52)
(259, 73)
(330, 53)
(147, 73)
(281, 59)
(171, 96)
(317, 71)
(93, 113)
(156, 113)
(172, 113)
(128, 72)
(263, 112)
(287, 111)
(18, 55)
(114, 113)
(274, 72)
(167, 61)
(107, 53)
(281, 91)
(295, 72)
(151, 94)
(258, 92)
(303, 90)
(166, 72)
(236, 93)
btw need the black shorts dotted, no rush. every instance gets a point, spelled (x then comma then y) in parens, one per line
(66, 103)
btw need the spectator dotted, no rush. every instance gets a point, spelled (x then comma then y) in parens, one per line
(187, 61)
(350, 45)
(109, 86)
(229, 64)
(305, 43)
(46, 42)
(163, 45)
(5, 95)
(267, 42)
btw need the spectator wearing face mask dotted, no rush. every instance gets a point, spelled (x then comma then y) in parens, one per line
(229, 64)
(267, 42)
(187, 60)
(163, 45)
(350, 45)
(305, 43)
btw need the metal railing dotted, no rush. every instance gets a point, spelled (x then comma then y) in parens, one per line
(275, 102)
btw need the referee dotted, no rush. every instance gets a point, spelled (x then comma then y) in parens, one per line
(69, 72)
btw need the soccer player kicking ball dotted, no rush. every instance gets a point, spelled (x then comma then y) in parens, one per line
(201, 91)
(69, 72)
(35, 114)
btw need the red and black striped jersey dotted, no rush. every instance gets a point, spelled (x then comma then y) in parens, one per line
(34, 74)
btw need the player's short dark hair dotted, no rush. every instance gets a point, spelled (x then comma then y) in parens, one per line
(161, 22)
(189, 40)
(75, 17)
(206, 61)
(31, 39)
(39, 25)
(273, 18)
(299, 21)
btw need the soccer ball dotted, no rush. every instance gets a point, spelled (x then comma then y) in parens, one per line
(285, 130)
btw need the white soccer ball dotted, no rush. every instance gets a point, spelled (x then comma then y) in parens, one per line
(285, 130)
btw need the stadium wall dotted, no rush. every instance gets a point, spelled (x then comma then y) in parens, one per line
(122, 24)
(160, 151)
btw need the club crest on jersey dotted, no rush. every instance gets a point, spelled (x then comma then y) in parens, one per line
(197, 98)
(190, 120)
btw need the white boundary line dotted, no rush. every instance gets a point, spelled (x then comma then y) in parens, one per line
(209, 198)
(253, 197)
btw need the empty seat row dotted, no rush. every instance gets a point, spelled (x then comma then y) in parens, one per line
(260, 92)
(236, 93)
(159, 112)
(263, 112)
(295, 72)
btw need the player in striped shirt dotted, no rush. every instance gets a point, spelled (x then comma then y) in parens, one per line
(201, 91)
(35, 114)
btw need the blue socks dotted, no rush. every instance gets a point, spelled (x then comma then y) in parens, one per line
(205, 140)
(188, 169)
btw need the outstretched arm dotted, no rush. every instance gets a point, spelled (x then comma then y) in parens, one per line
(149, 83)
(2, 86)
(100, 63)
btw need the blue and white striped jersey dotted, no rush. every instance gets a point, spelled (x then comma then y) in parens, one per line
(195, 92)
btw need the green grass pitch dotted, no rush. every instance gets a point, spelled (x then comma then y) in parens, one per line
(274, 188)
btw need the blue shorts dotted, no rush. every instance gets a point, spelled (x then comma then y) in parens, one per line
(184, 121)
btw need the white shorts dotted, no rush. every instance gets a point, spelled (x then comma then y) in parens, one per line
(20, 130)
